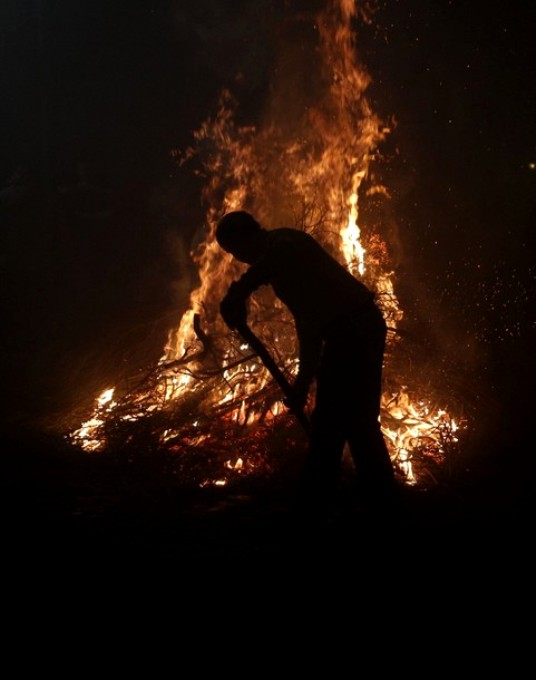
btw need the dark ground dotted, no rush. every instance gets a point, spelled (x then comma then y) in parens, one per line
(61, 506)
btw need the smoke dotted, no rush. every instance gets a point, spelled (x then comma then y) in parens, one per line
(227, 43)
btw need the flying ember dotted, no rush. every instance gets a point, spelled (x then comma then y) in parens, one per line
(311, 166)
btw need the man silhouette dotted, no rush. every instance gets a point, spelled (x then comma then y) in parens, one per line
(341, 335)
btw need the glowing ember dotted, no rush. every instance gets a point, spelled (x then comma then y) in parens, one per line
(207, 380)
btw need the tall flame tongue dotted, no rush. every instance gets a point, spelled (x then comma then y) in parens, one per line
(306, 169)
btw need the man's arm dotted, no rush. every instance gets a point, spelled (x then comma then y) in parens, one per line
(233, 306)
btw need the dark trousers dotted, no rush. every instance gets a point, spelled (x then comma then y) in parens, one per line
(347, 408)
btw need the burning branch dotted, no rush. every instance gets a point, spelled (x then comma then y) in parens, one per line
(216, 404)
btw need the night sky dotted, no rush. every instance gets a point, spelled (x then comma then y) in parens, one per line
(106, 90)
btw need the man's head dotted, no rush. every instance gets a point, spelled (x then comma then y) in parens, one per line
(240, 234)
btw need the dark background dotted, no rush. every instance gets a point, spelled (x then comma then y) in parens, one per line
(97, 216)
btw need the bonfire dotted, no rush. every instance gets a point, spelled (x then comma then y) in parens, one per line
(210, 403)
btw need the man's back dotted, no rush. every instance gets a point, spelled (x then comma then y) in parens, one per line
(314, 286)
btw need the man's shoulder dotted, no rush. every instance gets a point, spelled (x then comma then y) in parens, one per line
(285, 242)
(288, 235)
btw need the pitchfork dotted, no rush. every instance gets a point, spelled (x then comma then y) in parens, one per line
(258, 347)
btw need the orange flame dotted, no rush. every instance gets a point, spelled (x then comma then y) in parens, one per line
(310, 179)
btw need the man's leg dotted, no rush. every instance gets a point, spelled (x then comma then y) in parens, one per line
(323, 460)
(367, 444)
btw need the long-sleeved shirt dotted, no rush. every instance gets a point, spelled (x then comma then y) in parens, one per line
(310, 282)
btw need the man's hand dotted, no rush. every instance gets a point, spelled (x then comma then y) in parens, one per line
(233, 311)
(296, 402)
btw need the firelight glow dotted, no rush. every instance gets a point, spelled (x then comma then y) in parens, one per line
(315, 181)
